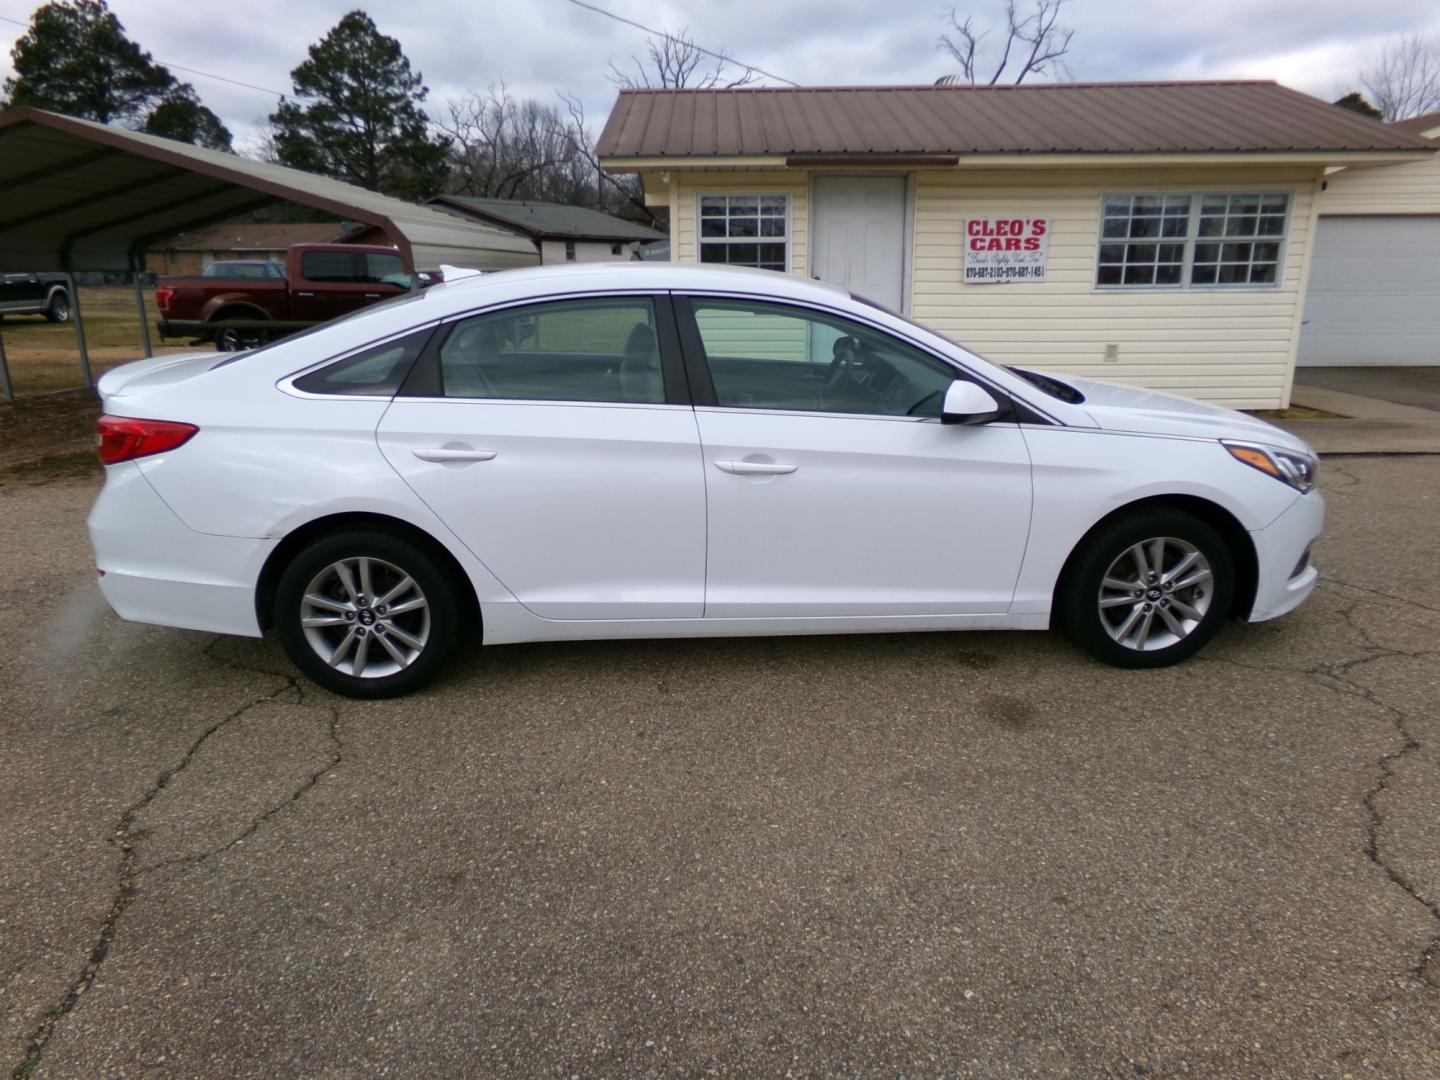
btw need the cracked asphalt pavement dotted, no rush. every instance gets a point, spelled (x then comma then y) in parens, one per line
(955, 854)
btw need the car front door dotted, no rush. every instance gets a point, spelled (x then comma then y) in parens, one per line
(20, 291)
(833, 487)
(557, 441)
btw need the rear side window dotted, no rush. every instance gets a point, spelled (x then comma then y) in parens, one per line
(329, 266)
(373, 372)
(605, 349)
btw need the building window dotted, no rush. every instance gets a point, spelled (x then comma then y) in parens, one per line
(745, 230)
(569, 250)
(1173, 241)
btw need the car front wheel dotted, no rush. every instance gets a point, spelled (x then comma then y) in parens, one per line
(367, 614)
(1148, 589)
(58, 309)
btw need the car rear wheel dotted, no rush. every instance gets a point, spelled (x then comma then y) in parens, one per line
(58, 309)
(234, 339)
(1148, 589)
(367, 614)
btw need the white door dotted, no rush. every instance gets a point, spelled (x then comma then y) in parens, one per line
(1374, 293)
(834, 490)
(859, 240)
(552, 453)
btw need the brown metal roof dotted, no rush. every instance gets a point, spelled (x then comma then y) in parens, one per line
(1415, 125)
(257, 236)
(1085, 118)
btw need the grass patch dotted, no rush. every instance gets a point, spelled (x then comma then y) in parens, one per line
(1296, 412)
(43, 357)
(70, 465)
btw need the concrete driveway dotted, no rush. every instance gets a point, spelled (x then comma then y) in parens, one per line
(1418, 387)
(913, 855)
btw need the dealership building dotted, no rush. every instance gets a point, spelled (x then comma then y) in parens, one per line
(1193, 237)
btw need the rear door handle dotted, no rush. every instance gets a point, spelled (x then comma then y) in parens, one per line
(304, 294)
(754, 468)
(445, 453)
(372, 296)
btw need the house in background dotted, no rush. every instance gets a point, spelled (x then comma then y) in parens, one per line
(560, 233)
(191, 252)
(1153, 233)
(1374, 295)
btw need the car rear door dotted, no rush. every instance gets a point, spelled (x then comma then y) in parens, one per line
(331, 282)
(834, 489)
(557, 441)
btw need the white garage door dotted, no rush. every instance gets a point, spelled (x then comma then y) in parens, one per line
(1374, 295)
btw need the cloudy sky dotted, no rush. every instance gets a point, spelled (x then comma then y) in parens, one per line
(541, 47)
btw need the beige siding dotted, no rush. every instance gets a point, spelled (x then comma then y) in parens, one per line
(689, 186)
(1231, 346)
(1412, 188)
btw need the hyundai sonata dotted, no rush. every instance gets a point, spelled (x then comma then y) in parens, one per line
(648, 451)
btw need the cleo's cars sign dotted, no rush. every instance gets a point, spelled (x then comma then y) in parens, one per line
(1000, 249)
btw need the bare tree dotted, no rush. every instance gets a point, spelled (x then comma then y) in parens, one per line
(1403, 79)
(1034, 40)
(505, 148)
(676, 61)
(508, 149)
(623, 195)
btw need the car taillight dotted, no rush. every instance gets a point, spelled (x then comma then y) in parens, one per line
(123, 438)
(163, 298)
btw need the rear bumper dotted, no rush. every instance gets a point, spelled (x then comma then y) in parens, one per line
(154, 569)
(1280, 547)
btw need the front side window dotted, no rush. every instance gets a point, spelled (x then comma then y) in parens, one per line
(604, 349)
(769, 356)
(385, 269)
(1173, 241)
(745, 230)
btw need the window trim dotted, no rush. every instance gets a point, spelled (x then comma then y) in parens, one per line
(1192, 237)
(787, 239)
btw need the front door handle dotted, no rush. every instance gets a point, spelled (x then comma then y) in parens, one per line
(754, 468)
(445, 453)
(305, 294)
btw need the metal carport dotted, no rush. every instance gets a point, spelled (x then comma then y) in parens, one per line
(77, 195)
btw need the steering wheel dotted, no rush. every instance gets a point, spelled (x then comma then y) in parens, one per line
(844, 354)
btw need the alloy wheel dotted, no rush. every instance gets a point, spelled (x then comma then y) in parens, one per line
(1155, 593)
(365, 617)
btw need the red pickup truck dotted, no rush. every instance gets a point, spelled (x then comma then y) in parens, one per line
(320, 282)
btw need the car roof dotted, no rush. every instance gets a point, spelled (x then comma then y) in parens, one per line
(504, 285)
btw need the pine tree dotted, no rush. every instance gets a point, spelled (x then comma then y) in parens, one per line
(356, 114)
(76, 59)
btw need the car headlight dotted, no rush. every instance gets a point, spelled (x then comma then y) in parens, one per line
(1297, 470)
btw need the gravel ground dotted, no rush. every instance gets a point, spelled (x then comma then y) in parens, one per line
(925, 855)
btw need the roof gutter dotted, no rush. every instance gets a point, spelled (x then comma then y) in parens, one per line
(1024, 160)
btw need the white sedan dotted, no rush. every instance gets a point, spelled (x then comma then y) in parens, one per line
(647, 451)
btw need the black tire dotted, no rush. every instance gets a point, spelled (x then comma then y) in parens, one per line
(233, 339)
(390, 557)
(58, 309)
(1110, 549)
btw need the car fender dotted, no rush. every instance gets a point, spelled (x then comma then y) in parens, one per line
(1081, 477)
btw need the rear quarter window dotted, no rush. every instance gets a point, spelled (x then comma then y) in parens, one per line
(374, 372)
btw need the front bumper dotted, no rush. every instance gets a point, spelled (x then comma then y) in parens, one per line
(155, 569)
(1279, 548)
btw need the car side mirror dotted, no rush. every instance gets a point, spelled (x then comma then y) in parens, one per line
(966, 403)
